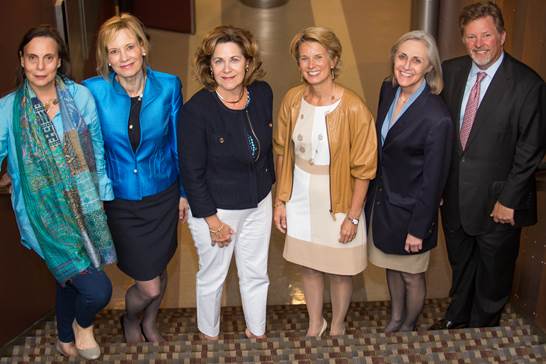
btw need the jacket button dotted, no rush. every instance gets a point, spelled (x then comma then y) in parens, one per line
(270, 125)
(378, 203)
(267, 169)
(221, 140)
(380, 189)
(135, 170)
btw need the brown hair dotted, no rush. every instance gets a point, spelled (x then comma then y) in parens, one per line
(225, 34)
(434, 76)
(48, 31)
(480, 10)
(325, 37)
(107, 31)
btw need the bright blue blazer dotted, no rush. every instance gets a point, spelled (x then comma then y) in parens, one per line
(154, 165)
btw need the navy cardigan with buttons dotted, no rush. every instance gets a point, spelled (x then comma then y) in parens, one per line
(216, 164)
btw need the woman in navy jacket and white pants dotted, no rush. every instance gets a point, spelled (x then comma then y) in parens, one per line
(227, 169)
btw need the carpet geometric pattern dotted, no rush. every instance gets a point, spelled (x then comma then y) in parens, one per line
(515, 341)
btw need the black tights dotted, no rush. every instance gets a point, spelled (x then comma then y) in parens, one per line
(408, 293)
(142, 302)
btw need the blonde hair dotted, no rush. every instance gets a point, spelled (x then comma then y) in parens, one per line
(107, 31)
(434, 76)
(325, 37)
(225, 34)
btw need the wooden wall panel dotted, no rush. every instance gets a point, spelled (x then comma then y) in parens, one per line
(529, 291)
(16, 17)
(27, 288)
(173, 15)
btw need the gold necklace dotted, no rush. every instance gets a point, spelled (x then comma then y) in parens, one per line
(232, 102)
(50, 103)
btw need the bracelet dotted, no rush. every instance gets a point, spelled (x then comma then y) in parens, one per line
(216, 231)
(278, 203)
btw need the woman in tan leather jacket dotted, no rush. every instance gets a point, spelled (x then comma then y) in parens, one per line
(325, 149)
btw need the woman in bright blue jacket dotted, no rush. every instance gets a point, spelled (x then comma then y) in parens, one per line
(138, 110)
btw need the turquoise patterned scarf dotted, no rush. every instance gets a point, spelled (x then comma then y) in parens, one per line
(59, 185)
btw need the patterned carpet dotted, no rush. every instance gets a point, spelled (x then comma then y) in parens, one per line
(515, 341)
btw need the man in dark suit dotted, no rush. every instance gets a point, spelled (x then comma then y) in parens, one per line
(498, 106)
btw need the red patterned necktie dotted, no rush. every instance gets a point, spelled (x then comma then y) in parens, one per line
(471, 108)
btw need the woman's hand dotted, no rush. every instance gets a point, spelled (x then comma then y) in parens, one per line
(220, 232)
(347, 231)
(413, 244)
(183, 207)
(5, 182)
(279, 216)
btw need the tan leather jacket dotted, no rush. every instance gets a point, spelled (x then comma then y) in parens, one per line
(351, 138)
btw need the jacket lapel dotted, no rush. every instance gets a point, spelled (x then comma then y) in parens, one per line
(384, 105)
(457, 92)
(404, 121)
(152, 88)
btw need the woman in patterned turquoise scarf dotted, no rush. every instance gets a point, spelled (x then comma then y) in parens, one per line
(51, 136)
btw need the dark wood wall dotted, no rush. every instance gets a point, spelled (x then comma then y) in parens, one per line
(27, 288)
(16, 17)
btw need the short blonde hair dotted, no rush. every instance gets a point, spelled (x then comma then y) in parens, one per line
(325, 37)
(225, 34)
(107, 31)
(434, 76)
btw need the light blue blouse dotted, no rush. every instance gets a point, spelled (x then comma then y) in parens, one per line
(388, 122)
(86, 105)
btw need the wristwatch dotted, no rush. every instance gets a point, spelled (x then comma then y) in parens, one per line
(353, 220)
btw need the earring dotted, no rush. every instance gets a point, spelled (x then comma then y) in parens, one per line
(211, 73)
(109, 65)
(246, 68)
(143, 54)
(332, 73)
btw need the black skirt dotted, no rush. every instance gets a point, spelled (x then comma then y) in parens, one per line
(145, 232)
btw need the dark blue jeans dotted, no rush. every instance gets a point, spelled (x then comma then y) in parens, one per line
(81, 299)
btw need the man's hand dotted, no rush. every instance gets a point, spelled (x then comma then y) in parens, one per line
(502, 214)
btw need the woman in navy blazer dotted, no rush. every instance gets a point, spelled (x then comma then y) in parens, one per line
(138, 109)
(415, 134)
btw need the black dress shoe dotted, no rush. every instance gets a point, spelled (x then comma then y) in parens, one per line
(444, 324)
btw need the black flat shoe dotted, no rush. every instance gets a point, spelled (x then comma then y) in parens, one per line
(444, 324)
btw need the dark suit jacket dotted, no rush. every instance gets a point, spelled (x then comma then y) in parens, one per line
(217, 168)
(411, 172)
(505, 146)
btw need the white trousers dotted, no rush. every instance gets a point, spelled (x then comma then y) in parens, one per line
(251, 246)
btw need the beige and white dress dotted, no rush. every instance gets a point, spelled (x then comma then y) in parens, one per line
(312, 238)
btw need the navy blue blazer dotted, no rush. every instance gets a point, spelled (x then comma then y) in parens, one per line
(154, 165)
(412, 169)
(215, 161)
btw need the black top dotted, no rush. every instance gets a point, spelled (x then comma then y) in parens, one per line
(134, 122)
(217, 166)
